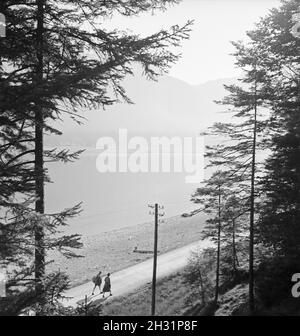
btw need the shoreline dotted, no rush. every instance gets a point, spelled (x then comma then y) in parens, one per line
(112, 251)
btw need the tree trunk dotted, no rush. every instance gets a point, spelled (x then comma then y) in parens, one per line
(39, 160)
(252, 209)
(234, 256)
(202, 287)
(218, 251)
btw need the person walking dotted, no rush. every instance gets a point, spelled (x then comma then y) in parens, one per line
(107, 285)
(97, 280)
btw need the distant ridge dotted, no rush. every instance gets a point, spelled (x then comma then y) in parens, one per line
(167, 107)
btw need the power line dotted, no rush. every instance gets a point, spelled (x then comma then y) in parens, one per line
(134, 205)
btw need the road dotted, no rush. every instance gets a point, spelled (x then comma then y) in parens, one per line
(131, 278)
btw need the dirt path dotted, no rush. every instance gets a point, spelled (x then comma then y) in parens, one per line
(131, 278)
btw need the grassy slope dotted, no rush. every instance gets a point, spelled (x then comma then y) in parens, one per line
(113, 251)
(172, 299)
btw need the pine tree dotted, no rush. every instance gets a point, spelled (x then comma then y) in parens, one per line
(266, 108)
(58, 58)
(278, 225)
(197, 273)
(240, 153)
(271, 87)
(210, 198)
(281, 184)
(224, 199)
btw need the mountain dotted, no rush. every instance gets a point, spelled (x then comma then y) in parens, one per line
(169, 107)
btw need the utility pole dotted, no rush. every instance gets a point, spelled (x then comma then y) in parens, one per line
(157, 214)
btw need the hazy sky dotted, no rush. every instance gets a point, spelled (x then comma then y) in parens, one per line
(217, 22)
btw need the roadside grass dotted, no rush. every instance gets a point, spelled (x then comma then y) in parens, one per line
(112, 251)
(173, 298)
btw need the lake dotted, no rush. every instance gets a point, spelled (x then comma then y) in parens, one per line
(113, 200)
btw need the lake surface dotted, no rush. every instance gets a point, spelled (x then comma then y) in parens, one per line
(113, 200)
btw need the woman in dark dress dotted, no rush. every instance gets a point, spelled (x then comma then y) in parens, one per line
(107, 285)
